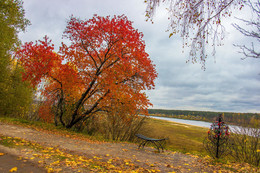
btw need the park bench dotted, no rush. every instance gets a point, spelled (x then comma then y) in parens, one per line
(158, 143)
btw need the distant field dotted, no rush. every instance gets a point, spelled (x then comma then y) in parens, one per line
(182, 137)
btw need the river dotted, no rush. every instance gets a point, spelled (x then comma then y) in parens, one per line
(191, 122)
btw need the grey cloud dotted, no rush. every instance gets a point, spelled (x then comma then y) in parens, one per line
(228, 84)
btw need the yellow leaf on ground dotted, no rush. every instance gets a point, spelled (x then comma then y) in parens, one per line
(1, 154)
(58, 170)
(110, 166)
(50, 170)
(14, 169)
(44, 151)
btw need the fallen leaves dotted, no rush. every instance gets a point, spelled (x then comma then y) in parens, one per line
(55, 159)
(14, 169)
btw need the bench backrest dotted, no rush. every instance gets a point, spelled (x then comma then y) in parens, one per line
(148, 139)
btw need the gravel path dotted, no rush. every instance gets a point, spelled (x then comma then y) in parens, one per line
(166, 161)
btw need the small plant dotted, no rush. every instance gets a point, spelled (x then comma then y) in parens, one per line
(246, 144)
(217, 141)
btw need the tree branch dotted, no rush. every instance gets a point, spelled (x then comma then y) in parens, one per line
(86, 49)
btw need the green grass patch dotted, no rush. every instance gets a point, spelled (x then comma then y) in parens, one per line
(15, 142)
(7, 141)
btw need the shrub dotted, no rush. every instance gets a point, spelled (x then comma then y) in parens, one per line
(217, 141)
(246, 145)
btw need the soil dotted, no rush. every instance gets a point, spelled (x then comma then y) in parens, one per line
(165, 161)
(9, 162)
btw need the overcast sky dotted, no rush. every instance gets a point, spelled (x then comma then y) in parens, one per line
(228, 84)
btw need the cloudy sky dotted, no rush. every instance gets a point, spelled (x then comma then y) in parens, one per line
(228, 84)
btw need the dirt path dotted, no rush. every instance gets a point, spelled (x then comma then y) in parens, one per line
(166, 162)
(10, 161)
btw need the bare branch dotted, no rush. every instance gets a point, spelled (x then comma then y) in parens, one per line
(248, 52)
(197, 22)
(86, 49)
(253, 32)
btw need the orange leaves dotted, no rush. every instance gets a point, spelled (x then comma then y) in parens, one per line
(45, 112)
(114, 56)
(106, 59)
(37, 59)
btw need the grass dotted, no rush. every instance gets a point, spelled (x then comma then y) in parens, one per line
(6, 141)
(183, 138)
(49, 127)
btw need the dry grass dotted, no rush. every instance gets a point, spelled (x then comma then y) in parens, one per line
(182, 137)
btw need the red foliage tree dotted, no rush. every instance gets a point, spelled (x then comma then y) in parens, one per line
(105, 59)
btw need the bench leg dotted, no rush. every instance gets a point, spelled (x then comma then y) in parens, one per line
(160, 145)
(142, 144)
(154, 143)
(157, 144)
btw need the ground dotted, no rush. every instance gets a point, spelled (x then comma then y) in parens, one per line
(65, 153)
(13, 162)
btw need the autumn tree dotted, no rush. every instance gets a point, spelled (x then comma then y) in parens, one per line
(15, 95)
(199, 23)
(106, 59)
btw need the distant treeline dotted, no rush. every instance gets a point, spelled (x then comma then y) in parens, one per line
(229, 117)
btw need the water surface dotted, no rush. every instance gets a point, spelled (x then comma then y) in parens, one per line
(189, 122)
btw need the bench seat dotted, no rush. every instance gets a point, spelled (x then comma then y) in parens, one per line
(158, 143)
